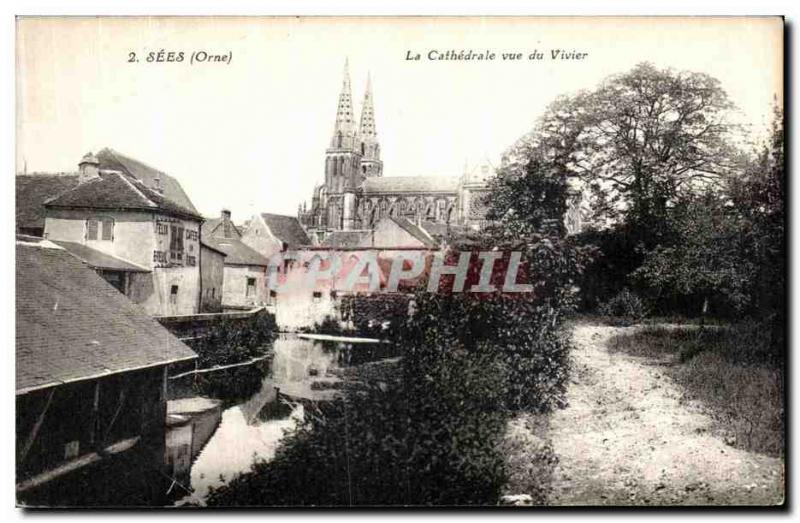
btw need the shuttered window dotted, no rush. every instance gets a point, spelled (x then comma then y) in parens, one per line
(108, 229)
(91, 229)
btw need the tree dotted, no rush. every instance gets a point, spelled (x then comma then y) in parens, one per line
(639, 142)
(703, 259)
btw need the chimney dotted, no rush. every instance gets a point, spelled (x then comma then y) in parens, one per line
(88, 168)
(227, 227)
(158, 187)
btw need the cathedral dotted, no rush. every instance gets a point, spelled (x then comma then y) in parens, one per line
(355, 194)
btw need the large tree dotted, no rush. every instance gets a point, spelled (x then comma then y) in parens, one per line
(639, 141)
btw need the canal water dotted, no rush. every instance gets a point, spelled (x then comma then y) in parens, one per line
(208, 443)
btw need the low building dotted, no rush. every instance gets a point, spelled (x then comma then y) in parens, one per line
(269, 234)
(91, 384)
(118, 214)
(245, 270)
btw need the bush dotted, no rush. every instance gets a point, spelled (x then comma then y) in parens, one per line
(626, 306)
(231, 341)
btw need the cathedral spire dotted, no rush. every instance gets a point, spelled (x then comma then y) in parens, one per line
(367, 126)
(345, 121)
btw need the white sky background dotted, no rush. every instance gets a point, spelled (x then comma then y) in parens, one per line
(251, 136)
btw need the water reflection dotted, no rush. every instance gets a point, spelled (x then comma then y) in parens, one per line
(300, 369)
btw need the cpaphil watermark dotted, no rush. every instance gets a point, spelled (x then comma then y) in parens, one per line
(388, 270)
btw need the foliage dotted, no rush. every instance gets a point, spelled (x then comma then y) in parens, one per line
(375, 315)
(230, 341)
(625, 305)
(429, 431)
(703, 258)
(640, 141)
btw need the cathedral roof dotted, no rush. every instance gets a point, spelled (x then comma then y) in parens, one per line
(411, 184)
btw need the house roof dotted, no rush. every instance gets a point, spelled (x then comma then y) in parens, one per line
(344, 239)
(287, 229)
(237, 253)
(98, 259)
(149, 176)
(210, 226)
(411, 184)
(116, 191)
(415, 230)
(205, 245)
(72, 325)
(33, 189)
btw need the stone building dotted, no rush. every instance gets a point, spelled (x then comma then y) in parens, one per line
(245, 270)
(270, 234)
(355, 195)
(147, 243)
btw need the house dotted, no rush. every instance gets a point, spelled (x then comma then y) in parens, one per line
(245, 269)
(212, 277)
(31, 192)
(390, 232)
(113, 216)
(273, 233)
(91, 378)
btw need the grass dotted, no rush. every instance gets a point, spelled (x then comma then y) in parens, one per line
(730, 369)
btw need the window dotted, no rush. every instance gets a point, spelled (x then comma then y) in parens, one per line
(176, 242)
(72, 449)
(317, 296)
(173, 294)
(91, 229)
(251, 287)
(108, 229)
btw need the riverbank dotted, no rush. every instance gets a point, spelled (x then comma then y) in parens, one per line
(630, 437)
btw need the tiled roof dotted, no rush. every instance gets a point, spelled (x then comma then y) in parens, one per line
(414, 230)
(287, 229)
(71, 324)
(98, 259)
(113, 160)
(344, 239)
(237, 253)
(411, 184)
(115, 191)
(208, 246)
(33, 189)
(211, 225)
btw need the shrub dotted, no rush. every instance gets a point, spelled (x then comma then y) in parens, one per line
(626, 306)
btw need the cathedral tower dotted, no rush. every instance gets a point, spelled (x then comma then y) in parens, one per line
(342, 160)
(371, 164)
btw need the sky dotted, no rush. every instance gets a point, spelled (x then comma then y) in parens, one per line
(250, 135)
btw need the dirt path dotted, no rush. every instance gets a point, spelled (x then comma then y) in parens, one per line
(625, 438)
